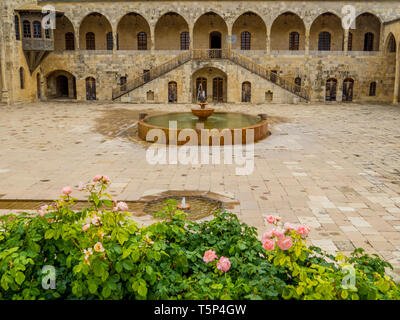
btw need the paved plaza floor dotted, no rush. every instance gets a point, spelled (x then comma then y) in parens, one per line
(335, 167)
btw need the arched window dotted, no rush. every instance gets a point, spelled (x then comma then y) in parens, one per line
(90, 88)
(350, 42)
(372, 89)
(294, 38)
(17, 32)
(27, 29)
(246, 91)
(392, 44)
(324, 41)
(22, 78)
(297, 81)
(347, 91)
(69, 41)
(90, 41)
(110, 44)
(142, 41)
(185, 40)
(172, 92)
(369, 41)
(37, 30)
(330, 89)
(245, 40)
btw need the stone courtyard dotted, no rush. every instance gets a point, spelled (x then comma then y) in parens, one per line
(335, 167)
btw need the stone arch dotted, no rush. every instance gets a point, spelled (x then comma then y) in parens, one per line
(206, 24)
(60, 84)
(250, 22)
(390, 43)
(98, 24)
(327, 22)
(366, 22)
(168, 30)
(211, 73)
(128, 29)
(64, 26)
(281, 28)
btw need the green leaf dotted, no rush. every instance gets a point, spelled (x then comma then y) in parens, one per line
(106, 292)
(142, 290)
(19, 278)
(49, 234)
(92, 287)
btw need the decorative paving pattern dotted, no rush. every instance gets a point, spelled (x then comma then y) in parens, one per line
(335, 167)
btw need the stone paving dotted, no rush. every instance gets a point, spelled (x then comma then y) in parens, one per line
(335, 167)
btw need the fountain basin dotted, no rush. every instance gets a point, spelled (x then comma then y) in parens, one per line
(202, 113)
(223, 122)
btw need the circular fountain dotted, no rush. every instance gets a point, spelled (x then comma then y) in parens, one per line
(228, 125)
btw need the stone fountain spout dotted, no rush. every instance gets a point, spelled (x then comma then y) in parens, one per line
(203, 112)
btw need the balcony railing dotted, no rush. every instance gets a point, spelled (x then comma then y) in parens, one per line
(31, 44)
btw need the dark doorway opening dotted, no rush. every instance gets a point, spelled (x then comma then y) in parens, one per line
(330, 90)
(246, 91)
(172, 92)
(62, 86)
(90, 88)
(348, 85)
(215, 44)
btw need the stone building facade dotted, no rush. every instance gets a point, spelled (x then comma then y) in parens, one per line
(235, 51)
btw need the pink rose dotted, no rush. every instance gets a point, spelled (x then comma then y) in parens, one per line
(224, 264)
(267, 235)
(285, 243)
(122, 206)
(270, 219)
(278, 232)
(85, 227)
(97, 178)
(209, 256)
(303, 230)
(106, 179)
(288, 226)
(66, 190)
(96, 220)
(269, 244)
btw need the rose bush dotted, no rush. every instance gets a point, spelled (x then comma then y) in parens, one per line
(100, 253)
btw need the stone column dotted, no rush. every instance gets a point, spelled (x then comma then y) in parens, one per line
(381, 41)
(307, 42)
(268, 40)
(77, 39)
(229, 40)
(396, 78)
(4, 92)
(152, 39)
(346, 41)
(191, 37)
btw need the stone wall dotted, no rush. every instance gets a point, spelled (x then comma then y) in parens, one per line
(268, 27)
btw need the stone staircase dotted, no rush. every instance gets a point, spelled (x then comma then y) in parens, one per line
(211, 54)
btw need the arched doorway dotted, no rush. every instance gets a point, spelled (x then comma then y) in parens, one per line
(209, 31)
(172, 92)
(348, 85)
(330, 89)
(218, 89)
(60, 84)
(213, 82)
(132, 32)
(249, 32)
(90, 88)
(246, 91)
